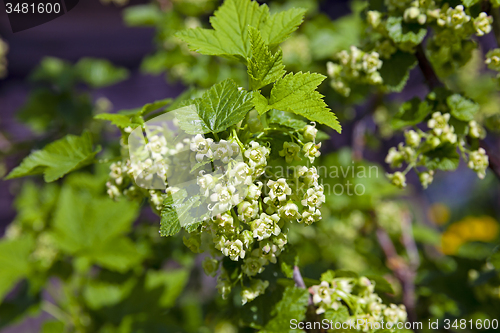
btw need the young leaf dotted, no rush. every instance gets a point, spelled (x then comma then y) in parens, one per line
(58, 158)
(461, 107)
(292, 306)
(93, 227)
(220, 107)
(399, 34)
(337, 316)
(99, 73)
(150, 107)
(283, 118)
(280, 25)
(230, 34)
(230, 23)
(297, 93)
(263, 67)
(396, 70)
(411, 112)
(14, 262)
(119, 120)
(469, 3)
(444, 157)
(174, 211)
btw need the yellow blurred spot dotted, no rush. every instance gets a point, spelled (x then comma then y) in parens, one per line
(471, 228)
(439, 213)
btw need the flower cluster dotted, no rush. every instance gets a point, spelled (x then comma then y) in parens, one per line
(354, 65)
(248, 206)
(440, 134)
(255, 231)
(359, 295)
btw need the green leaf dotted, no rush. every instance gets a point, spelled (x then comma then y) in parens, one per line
(150, 107)
(292, 306)
(231, 22)
(469, 3)
(286, 119)
(220, 107)
(381, 284)
(53, 327)
(142, 15)
(297, 93)
(263, 67)
(98, 294)
(328, 276)
(396, 70)
(462, 108)
(173, 282)
(119, 120)
(402, 33)
(58, 158)
(287, 261)
(280, 25)
(93, 227)
(99, 73)
(495, 260)
(411, 113)
(230, 34)
(337, 316)
(176, 209)
(14, 262)
(444, 157)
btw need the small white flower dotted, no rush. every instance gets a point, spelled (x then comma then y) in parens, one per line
(252, 266)
(201, 146)
(225, 197)
(240, 174)
(313, 198)
(310, 216)
(289, 211)
(290, 152)
(478, 161)
(265, 226)
(311, 150)
(475, 130)
(206, 182)
(482, 24)
(254, 191)
(412, 138)
(233, 250)
(224, 150)
(426, 178)
(310, 132)
(439, 123)
(247, 211)
(257, 155)
(279, 189)
(398, 179)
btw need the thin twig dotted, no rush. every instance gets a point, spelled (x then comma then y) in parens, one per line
(311, 315)
(403, 272)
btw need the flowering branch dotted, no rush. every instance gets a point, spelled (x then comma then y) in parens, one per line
(433, 82)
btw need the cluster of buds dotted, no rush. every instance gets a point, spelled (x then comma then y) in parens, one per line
(420, 11)
(418, 142)
(493, 60)
(359, 295)
(354, 65)
(252, 206)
